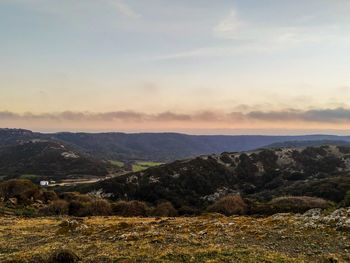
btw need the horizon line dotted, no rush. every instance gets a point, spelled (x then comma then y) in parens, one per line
(201, 132)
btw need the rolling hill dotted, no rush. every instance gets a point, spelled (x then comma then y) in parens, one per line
(49, 159)
(263, 174)
(158, 147)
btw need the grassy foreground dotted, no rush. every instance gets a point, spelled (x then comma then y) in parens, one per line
(208, 238)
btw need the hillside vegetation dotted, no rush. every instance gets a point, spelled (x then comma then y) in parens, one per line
(158, 147)
(48, 160)
(262, 175)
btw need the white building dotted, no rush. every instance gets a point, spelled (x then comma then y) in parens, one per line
(43, 183)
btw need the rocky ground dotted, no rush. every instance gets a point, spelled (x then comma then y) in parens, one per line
(311, 237)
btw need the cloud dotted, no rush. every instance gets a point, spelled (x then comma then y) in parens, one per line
(331, 116)
(317, 115)
(125, 9)
(235, 35)
(229, 25)
(170, 116)
(218, 51)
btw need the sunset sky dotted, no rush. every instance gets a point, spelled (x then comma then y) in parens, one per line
(194, 66)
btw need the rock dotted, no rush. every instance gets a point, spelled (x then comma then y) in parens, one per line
(69, 226)
(280, 216)
(313, 212)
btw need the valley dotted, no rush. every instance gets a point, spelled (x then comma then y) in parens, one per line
(288, 202)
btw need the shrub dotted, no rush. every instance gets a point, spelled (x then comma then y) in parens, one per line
(300, 201)
(49, 196)
(24, 190)
(229, 205)
(286, 204)
(69, 196)
(100, 207)
(77, 208)
(26, 212)
(164, 209)
(130, 209)
(346, 201)
(83, 198)
(63, 256)
(58, 207)
(188, 211)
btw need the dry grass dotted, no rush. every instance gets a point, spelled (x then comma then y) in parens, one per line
(210, 238)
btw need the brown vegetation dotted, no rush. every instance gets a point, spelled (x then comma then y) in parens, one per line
(275, 239)
(76, 208)
(229, 205)
(164, 209)
(23, 190)
(130, 209)
(49, 196)
(58, 207)
(312, 202)
(286, 204)
(63, 256)
(100, 207)
(188, 211)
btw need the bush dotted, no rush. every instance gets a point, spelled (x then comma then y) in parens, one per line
(83, 198)
(68, 196)
(346, 201)
(26, 212)
(188, 211)
(63, 256)
(24, 190)
(300, 201)
(58, 207)
(49, 196)
(100, 207)
(130, 209)
(286, 204)
(164, 210)
(77, 208)
(229, 205)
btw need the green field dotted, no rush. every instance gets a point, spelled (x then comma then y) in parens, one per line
(117, 163)
(139, 166)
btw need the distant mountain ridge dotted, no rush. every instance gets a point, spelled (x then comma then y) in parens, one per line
(315, 143)
(161, 147)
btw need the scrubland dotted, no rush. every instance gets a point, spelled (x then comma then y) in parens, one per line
(309, 237)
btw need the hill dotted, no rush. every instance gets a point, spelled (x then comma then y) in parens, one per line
(307, 143)
(167, 147)
(158, 147)
(263, 174)
(52, 160)
(10, 137)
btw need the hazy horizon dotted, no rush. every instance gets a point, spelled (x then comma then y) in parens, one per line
(201, 132)
(192, 66)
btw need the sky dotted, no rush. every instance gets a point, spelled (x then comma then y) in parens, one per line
(193, 66)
